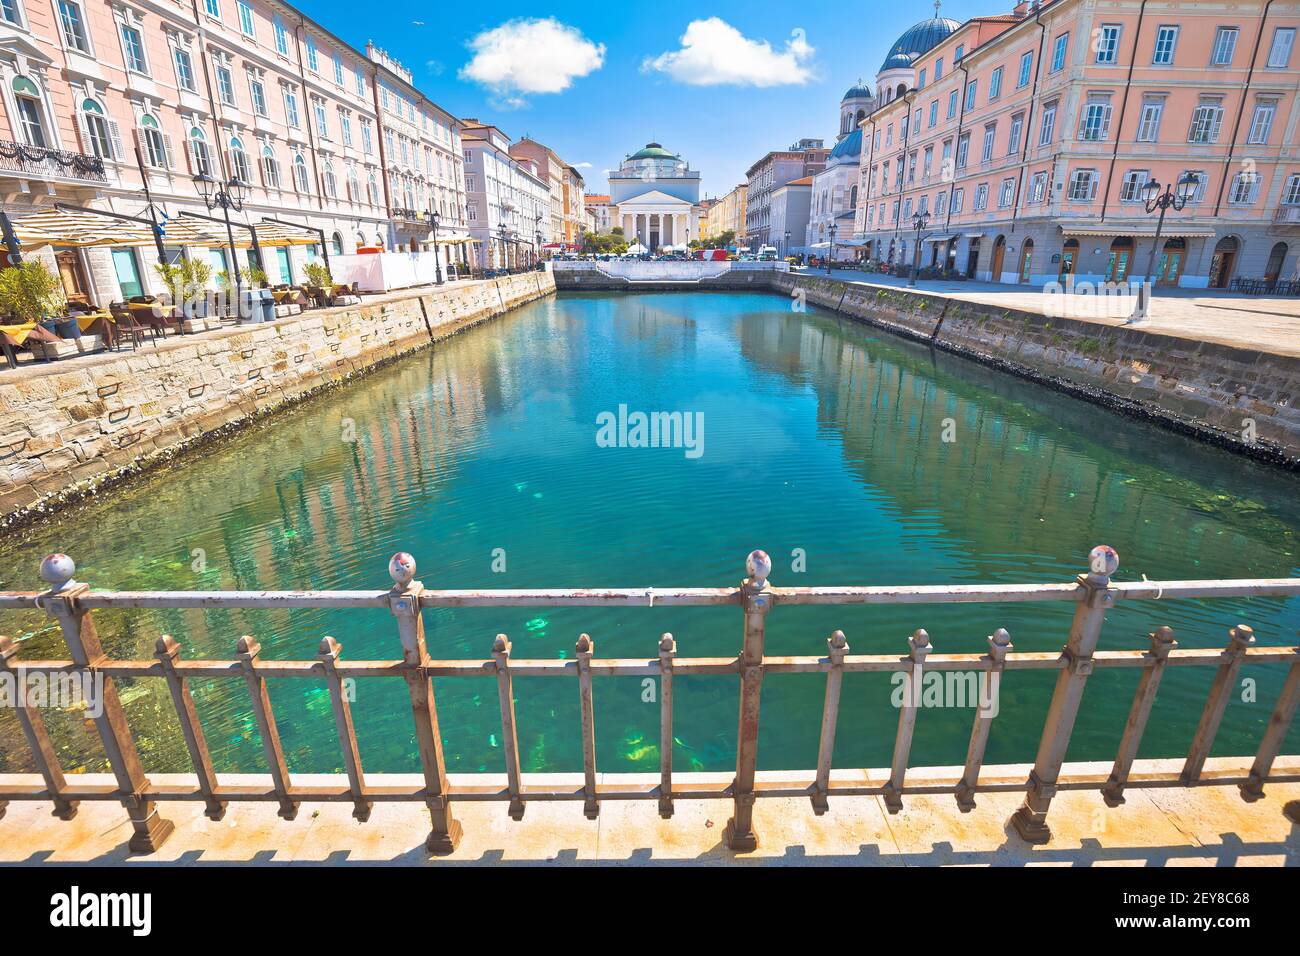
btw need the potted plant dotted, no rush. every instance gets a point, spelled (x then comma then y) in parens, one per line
(187, 279)
(31, 293)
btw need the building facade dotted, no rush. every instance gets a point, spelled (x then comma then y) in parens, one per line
(602, 213)
(835, 188)
(508, 200)
(656, 195)
(727, 214)
(104, 99)
(551, 168)
(1027, 138)
(789, 213)
(807, 157)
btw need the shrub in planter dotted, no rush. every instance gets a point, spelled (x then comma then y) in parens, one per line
(318, 275)
(187, 280)
(31, 293)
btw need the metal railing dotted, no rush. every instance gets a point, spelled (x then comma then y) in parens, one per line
(72, 604)
(59, 163)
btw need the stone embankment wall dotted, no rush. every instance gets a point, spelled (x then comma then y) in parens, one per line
(70, 426)
(1238, 398)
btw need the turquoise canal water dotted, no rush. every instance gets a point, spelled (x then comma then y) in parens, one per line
(821, 437)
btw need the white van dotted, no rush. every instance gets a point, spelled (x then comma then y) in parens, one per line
(767, 254)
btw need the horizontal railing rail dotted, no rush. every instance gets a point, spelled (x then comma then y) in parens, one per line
(71, 605)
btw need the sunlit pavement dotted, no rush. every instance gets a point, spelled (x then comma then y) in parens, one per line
(1269, 324)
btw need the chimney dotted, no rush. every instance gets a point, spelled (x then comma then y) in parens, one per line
(1021, 9)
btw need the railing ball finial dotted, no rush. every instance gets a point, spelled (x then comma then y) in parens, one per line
(667, 644)
(401, 568)
(758, 565)
(1103, 560)
(57, 571)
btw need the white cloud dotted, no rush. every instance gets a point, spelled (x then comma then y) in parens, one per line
(527, 56)
(582, 165)
(714, 53)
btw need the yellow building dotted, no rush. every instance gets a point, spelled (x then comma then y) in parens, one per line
(726, 213)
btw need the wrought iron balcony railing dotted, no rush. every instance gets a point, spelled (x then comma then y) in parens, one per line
(37, 161)
(72, 605)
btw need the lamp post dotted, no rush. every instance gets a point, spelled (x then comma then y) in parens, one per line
(831, 258)
(785, 249)
(537, 232)
(1173, 197)
(229, 195)
(919, 221)
(432, 218)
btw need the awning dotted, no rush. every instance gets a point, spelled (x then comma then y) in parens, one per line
(456, 241)
(947, 238)
(1140, 230)
(69, 228)
(973, 235)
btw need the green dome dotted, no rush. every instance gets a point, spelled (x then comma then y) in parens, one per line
(653, 151)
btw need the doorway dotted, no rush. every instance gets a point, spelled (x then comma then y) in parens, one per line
(1121, 259)
(1222, 263)
(999, 253)
(128, 273)
(1170, 267)
(73, 274)
(1026, 260)
(972, 258)
(1276, 260)
(286, 270)
(1069, 259)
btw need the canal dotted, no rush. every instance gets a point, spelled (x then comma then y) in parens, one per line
(850, 456)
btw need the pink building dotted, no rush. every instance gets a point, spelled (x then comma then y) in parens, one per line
(1027, 138)
(247, 89)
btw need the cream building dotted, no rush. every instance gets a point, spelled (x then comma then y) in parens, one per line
(656, 195)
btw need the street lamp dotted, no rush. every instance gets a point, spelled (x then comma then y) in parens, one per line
(537, 231)
(919, 221)
(785, 249)
(831, 258)
(229, 195)
(1175, 197)
(432, 218)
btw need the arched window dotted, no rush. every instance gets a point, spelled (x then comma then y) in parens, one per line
(200, 155)
(300, 174)
(372, 189)
(240, 167)
(361, 239)
(94, 129)
(336, 241)
(853, 197)
(270, 168)
(31, 114)
(354, 185)
(151, 138)
(331, 182)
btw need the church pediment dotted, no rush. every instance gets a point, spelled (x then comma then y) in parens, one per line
(657, 198)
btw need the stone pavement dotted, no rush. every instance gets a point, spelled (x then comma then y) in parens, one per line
(1268, 324)
(1205, 826)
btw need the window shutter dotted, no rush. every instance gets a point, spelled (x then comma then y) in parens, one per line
(168, 157)
(190, 162)
(83, 134)
(115, 138)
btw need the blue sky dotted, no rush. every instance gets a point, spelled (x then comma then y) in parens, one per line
(720, 84)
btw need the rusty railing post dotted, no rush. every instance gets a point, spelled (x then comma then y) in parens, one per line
(1239, 638)
(60, 602)
(168, 653)
(667, 651)
(329, 657)
(1162, 642)
(756, 599)
(1279, 723)
(918, 647)
(1096, 596)
(38, 738)
(404, 602)
(584, 649)
(986, 708)
(837, 646)
(247, 650)
(509, 736)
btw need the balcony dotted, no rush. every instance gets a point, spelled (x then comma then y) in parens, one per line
(37, 162)
(399, 213)
(1287, 216)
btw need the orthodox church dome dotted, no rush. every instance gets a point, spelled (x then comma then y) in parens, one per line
(918, 39)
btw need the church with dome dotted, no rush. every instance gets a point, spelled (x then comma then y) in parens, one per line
(655, 198)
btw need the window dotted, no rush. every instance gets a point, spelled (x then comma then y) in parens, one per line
(1013, 138)
(74, 26)
(281, 37)
(1153, 108)
(361, 82)
(1038, 187)
(934, 113)
(920, 82)
(1291, 194)
(312, 63)
(338, 69)
(345, 125)
(1206, 120)
(958, 198)
(184, 70)
(958, 53)
(1261, 124)
(916, 122)
(1095, 123)
(1166, 40)
(213, 7)
(300, 173)
(1108, 43)
(318, 108)
(1202, 180)
(9, 10)
(1058, 51)
(372, 190)
(258, 93)
(1245, 189)
(990, 133)
(331, 183)
(938, 69)
(995, 84)
(239, 165)
(291, 107)
(200, 156)
(963, 149)
(1026, 67)
(1279, 54)
(952, 104)
(970, 94)
(225, 84)
(981, 197)
(95, 128)
(1006, 192)
(940, 204)
(1225, 45)
(1130, 189)
(246, 19)
(366, 145)
(133, 48)
(151, 138)
(1083, 185)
